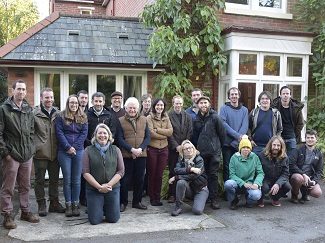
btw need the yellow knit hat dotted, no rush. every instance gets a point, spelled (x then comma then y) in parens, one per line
(244, 142)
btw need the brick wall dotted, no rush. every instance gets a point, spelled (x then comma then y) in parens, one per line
(26, 74)
(72, 8)
(127, 8)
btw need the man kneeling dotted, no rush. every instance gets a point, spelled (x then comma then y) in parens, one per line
(275, 165)
(191, 179)
(306, 167)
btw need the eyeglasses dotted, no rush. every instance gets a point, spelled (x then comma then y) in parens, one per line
(188, 149)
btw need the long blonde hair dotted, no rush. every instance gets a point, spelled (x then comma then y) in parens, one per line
(268, 148)
(68, 117)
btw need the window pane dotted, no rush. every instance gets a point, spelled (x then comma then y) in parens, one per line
(295, 91)
(271, 65)
(77, 82)
(106, 85)
(132, 87)
(238, 1)
(247, 64)
(248, 93)
(294, 67)
(270, 3)
(272, 88)
(51, 80)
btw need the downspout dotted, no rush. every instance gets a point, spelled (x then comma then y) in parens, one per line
(113, 10)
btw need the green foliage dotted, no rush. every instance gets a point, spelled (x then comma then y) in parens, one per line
(187, 40)
(3, 87)
(16, 16)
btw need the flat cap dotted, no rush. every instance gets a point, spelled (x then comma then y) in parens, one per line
(116, 93)
(203, 98)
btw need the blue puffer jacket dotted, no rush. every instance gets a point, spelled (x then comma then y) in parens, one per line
(70, 135)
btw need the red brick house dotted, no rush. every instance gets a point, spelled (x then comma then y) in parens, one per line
(266, 48)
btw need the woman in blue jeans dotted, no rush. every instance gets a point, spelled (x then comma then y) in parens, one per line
(71, 131)
(191, 179)
(103, 167)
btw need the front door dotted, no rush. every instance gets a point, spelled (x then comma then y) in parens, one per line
(248, 92)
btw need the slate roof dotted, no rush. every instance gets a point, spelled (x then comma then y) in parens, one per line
(97, 41)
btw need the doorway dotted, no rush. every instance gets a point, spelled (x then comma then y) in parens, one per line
(248, 94)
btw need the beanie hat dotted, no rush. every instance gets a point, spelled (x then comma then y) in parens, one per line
(244, 142)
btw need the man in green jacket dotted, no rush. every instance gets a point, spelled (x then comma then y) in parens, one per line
(45, 157)
(16, 151)
(245, 175)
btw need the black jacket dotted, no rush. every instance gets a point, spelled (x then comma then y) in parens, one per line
(182, 131)
(296, 114)
(208, 133)
(276, 172)
(297, 160)
(105, 117)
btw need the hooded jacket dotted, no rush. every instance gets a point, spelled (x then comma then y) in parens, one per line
(296, 114)
(16, 131)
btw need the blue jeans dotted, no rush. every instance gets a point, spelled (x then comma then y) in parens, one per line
(71, 166)
(103, 204)
(290, 144)
(232, 189)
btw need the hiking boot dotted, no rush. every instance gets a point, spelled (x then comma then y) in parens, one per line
(42, 212)
(294, 198)
(75, 209)
(56, 207)
(214, 204)
(276, 203)
(8, 221)
(68, 210)
(171, 199)
(29, 217)
(178, 210)
(233, 204)
(260, 203)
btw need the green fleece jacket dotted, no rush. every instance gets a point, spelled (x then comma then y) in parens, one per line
(247, 170)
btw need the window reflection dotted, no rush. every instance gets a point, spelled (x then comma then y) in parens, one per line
(271, 65)
(132, 86)
(272, 88)
(51, 80)
(247, 64)
(78, 82)
(294, 67)
(107, 85)
(295, 91)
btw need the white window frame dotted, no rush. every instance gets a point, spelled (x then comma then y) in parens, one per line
(253, 9)
(92, 80)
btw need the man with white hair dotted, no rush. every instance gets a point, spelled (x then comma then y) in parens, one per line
(133, 139)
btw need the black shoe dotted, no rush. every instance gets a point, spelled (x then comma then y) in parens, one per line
(156, 203)
(42, 212)
(233, 204)
(214, 204)
(177, 211)
(75, 209)
(139, 206)
(122, 207)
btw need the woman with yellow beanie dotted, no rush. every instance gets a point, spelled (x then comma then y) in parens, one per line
(245, 175)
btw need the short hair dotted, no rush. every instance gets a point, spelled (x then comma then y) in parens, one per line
(197, 89)
(177, 97)
(98, 94)
(267, 93)
(46, 89)
(311, 132)
(82, 92)
(145, 96)
(284, 87)
(235, 88)
(132, 100)
(18, 81)
(268, 148)
(102, 125)
(153, 110)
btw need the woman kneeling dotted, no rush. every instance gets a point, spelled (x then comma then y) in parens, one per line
(191, 179)
(103, 169)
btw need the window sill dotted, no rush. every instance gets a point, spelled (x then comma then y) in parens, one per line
(258, 13)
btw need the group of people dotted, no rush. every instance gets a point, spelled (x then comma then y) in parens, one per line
(105, 151)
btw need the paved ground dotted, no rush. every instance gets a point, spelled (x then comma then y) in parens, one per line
(289, 223)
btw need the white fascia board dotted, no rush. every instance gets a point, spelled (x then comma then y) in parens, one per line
(268, 43)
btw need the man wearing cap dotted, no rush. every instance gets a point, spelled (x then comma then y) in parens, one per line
(116, 107)
(208, 137)
(245, 175)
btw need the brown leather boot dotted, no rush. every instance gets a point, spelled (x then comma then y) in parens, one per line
(8, 221)
(56, 207)
(68, 210)
(29, 217)
(42, 208)
(75, 209)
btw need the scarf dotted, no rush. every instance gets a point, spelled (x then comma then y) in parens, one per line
(102, 149)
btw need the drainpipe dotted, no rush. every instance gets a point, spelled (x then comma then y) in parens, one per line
(113, 10)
